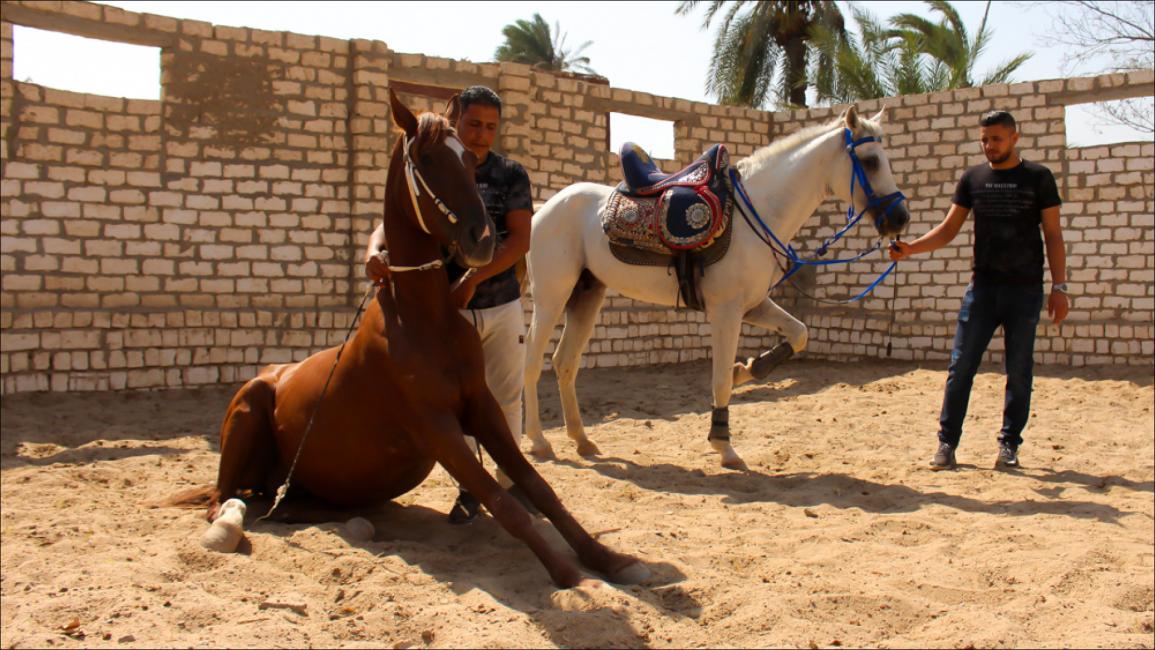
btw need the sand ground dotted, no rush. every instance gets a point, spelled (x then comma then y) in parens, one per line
(838, 534)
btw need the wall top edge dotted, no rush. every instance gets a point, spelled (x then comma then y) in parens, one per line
(106, 22)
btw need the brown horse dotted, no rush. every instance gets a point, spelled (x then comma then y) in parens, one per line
(410, 382)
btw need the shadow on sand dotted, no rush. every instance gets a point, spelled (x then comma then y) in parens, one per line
(478, 556)
(843, 491)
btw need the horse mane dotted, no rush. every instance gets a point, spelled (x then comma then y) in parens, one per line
(792, 141)
(432, 129)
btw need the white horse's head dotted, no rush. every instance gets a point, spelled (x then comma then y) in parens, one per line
(879, 195)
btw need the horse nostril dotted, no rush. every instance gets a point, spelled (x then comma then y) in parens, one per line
(479, 232)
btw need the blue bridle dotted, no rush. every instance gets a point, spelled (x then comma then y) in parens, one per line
(857, 175)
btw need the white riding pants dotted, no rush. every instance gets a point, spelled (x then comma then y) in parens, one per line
(502, 331)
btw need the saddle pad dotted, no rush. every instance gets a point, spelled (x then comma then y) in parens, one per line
(643, 257)
(679, 219)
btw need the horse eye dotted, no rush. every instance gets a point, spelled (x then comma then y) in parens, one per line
(871, 163)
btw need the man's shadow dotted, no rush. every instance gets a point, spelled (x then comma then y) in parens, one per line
(478, 555)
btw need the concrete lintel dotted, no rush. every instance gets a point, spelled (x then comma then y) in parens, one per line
(606, 105)
(1099, 93)
(443, 78)
(77, 26)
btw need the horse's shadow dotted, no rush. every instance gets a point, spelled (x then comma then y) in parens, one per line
(844, 491)
(685, 388)
(478, 555)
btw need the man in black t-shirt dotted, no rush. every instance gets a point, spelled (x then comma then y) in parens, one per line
(490, 298)
(1011, 199)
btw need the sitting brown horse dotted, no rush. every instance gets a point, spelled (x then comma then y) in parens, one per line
(410, 382)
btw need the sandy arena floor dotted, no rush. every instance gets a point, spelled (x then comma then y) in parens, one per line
(838, 534)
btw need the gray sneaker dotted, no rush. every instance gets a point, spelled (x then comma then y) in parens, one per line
(943, 458)
(1008, 456)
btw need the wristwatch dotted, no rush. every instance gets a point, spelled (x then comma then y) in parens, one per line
(1061, 287)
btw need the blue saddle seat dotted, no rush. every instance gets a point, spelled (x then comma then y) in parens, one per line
(643, 178)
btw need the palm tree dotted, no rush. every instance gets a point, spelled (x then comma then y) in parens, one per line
(948, 43)
(768, 40)
(882, 63)
(533, 42)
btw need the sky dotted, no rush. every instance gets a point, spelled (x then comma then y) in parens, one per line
(640, 46)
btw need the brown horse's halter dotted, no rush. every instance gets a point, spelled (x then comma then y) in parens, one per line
(413, 177)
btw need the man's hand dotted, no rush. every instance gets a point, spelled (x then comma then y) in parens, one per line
(376, 268)
(899, 250)
(1058, 305)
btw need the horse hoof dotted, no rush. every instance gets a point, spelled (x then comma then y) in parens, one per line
(742, 372)
(543, 451)
(734, 462)
(588, 448)
(633, 573)
(730, 458)
(226, 531)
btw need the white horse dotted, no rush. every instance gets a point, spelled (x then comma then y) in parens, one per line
(786, 181)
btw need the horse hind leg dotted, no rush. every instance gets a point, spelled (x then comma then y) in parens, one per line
(724, 330)
(770, 316)
(248, 447)
(581, 314)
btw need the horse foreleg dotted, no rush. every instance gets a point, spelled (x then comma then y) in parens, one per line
(581, 314)
(770, 316)
(484, 418)
(545, 317)
(725, 323)
(247, 443)
(443, 438)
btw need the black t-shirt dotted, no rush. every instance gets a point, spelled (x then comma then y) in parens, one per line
(504, 187)
(1008, 207)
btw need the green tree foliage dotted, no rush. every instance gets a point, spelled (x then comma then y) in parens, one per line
(948, 43)
(913, 55)
(533, 42)
(760, 41)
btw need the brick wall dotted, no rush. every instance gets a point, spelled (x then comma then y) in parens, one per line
(190, 240)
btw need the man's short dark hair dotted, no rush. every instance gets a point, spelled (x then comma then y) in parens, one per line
(1002, 118)
(479, 95)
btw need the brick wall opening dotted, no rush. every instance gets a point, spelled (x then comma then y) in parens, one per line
(655, 136)
(86, 65)
(1088, 124)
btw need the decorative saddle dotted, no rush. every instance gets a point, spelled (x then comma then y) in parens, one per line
(681, 220)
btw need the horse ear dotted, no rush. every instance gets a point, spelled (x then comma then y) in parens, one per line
(402, 116)
(453, 110)
(850, 118)
(880, 117)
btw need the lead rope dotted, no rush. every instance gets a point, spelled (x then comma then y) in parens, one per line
(890, 304)
(284, 489)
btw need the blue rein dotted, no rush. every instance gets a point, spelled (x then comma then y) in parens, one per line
(858, 175)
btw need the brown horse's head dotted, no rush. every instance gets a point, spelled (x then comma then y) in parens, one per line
(439, 172)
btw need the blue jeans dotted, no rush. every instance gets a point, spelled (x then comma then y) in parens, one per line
(984, 308)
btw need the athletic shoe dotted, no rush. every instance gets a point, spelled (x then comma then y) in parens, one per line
(1008, 456)
(943, 458)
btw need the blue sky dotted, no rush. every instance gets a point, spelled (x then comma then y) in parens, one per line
(637, 45)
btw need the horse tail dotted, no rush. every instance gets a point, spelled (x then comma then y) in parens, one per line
(586, 282)
(197, 497)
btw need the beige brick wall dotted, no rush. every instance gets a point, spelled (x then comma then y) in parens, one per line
(191, 240)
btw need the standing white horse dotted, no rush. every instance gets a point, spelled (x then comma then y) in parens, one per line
(786, 181)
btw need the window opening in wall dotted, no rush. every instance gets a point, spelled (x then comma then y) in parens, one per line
(655, 136)
(85, 65)
(1095, 124)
